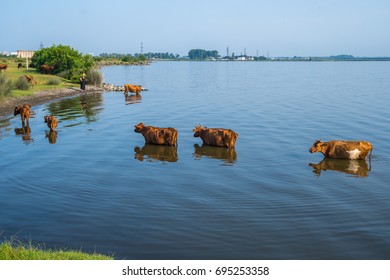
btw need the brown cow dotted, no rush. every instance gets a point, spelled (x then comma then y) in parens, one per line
(339, 149)
(132, 88)
(51, 122)
(30, 80)
(216, 136)
(24, 112)
(46, 69)
(3, 67)
(157, 135)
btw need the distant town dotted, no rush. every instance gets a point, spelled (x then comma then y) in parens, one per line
(213, 55)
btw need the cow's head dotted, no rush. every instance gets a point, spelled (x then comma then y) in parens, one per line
(198, 129)
(138, 128)
(317, 147)
(17, 110)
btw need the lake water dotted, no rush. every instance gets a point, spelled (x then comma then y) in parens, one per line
(96, 186)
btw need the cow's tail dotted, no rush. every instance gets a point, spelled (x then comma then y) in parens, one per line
(369, 159)
(369, 156)
(175, 137)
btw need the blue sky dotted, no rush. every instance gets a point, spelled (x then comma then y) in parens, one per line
(280, 27)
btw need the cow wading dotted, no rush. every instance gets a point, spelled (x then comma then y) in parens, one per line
(341, 149)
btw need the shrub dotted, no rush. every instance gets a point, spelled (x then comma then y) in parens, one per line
(127, 58)
(94, 77)
(54, 81)
(5, 85)
(21, 83)
(64, 74)
(63, 58)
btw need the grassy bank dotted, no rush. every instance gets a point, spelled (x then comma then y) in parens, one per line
(18, 251)
(48, 87)
(43, 80)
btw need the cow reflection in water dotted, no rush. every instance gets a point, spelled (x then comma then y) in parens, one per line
(132, 98)
(152, 152)
(51, 136)
(227, 155)
(25, 131)
(357, 168)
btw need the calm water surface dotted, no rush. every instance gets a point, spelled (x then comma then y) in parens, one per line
(95, 185)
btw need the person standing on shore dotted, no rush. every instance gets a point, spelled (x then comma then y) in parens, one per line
(83, 82)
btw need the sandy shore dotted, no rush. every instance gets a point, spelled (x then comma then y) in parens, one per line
(8, 104)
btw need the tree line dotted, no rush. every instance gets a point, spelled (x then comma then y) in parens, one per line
(199, 54)
(194, 54)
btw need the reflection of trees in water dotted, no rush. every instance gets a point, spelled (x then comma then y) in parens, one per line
(86, 105)
(227, 155)
(358, 168)
(5, 126)
(156, 152)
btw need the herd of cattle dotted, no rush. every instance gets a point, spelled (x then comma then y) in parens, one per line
(44, 68)
(220, 137)
(25, 112)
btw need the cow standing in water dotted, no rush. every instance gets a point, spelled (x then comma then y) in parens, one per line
(216, 136)
(24, 112)
(339, 149)
(157, 135)
(51, 122)
(132, 88)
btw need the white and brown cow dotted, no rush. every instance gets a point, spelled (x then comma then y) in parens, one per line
(220, 137)
(157, 135)
(340, 149)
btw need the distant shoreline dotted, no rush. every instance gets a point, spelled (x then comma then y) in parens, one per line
(7, 104)
(281, 59)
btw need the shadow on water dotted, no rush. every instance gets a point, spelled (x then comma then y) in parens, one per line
(88, 106)
(152, 153)
(227, 155)
(25, 132)
(132, 98)
(357, 168)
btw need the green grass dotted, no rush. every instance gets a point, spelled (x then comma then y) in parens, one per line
(43, 80)
(19, 251)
